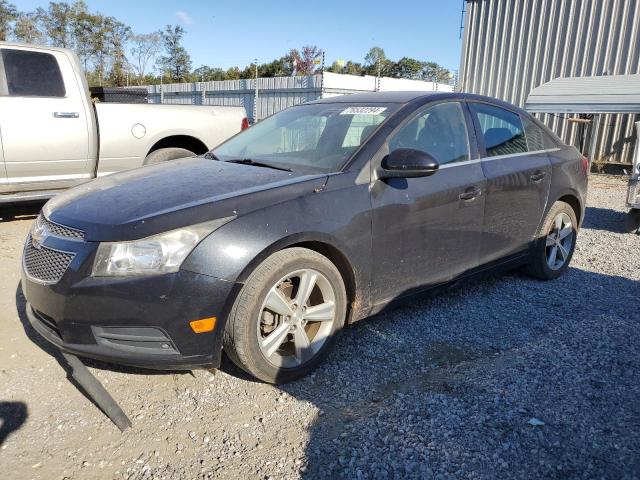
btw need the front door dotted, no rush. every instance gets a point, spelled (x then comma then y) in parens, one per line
(518, 173)
(43, 121)
(428, 230)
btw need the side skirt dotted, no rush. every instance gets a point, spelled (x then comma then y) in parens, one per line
(489, 269)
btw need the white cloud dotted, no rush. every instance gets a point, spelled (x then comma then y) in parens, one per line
(184, 17)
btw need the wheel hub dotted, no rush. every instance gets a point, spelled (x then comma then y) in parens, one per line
(296, 318)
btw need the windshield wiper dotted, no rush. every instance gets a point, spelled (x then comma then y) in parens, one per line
(249, 161)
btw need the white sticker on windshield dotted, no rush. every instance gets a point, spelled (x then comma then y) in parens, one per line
(363, 111)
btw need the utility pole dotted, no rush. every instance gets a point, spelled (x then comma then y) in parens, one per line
(378, 75)
(322, 75)
(255, 99)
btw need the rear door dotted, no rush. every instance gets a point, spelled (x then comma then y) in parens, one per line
(43, 121)
(518, 173)
(428, 230)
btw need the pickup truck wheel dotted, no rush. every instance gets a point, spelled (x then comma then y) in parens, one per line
(166, 154)
(285, 319)
(555, 243)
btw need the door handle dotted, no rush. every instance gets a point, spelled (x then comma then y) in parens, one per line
(66, 114)
(470, 194)
(538, 176)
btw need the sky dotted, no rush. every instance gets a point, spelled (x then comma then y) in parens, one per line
(224, 33)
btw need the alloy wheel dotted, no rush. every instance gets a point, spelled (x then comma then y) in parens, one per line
(559, 241)
(296, 318)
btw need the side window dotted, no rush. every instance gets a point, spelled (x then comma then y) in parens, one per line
(32, 74)
(534, 134)
(441, 131)
(501, 129)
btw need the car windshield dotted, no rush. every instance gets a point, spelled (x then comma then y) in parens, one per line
(316, 138)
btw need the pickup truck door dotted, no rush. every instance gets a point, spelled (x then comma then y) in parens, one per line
(43, 120)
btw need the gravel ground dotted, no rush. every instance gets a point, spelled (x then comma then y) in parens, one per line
(504, 378)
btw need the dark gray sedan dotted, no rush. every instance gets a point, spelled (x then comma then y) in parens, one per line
(314, 218)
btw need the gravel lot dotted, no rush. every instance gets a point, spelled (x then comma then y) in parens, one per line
(504, 378)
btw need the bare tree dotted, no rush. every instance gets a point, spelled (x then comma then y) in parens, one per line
(144, 51)
(305, 61)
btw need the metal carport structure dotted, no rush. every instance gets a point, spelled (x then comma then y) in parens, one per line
(594, 95)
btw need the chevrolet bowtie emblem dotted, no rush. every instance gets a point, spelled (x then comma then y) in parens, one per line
(39, 234)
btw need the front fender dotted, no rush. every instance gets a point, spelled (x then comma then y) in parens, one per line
(336, 217)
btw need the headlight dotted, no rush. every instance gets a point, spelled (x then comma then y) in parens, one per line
(162, 253)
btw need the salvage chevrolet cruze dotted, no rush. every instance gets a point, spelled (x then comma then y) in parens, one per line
(312, 219)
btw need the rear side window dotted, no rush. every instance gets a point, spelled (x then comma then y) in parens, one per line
(534, 134)
(32, 74)
(501, 129)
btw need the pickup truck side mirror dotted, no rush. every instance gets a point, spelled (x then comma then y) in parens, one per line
(407, 163)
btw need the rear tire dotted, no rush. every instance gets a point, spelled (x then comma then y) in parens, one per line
(277, 332)
(632, 221)
(166, 154)
(555, 243)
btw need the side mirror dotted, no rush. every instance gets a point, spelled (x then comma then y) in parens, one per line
(407, 163)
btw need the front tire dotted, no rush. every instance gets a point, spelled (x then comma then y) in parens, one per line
(555, 243)
(166, 154)
(286, 317)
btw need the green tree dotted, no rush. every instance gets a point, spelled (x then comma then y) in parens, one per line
(353, 68)
(26, 29)
(281, 67)
(434, 72)
(177, 61)
(8, 14)
(207, 74)
(407, 68)
(233, 73)
(59, 23)
(376, 62)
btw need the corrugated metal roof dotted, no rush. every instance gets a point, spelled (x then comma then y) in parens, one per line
(602, 94)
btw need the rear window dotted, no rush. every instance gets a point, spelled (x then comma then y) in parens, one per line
(502, 130)
(32, 74)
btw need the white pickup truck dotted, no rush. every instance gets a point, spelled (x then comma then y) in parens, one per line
(52, 136)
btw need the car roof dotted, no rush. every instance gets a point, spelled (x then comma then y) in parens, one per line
(403, 97)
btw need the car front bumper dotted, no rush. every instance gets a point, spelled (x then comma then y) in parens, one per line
(136, 321)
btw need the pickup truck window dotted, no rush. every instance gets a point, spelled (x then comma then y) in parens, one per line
(32, 74)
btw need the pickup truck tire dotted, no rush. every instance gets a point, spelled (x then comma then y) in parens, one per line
(166, 154)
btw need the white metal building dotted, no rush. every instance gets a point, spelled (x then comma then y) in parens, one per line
(510, 47)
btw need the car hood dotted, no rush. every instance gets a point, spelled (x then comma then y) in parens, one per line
(153, 199)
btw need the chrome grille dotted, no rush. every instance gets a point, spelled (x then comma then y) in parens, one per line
(59, 230)
(44, 264)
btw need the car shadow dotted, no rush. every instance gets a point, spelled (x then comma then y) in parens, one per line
(12, 417)
(21, 211)
(425, 379)
(606, 219)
